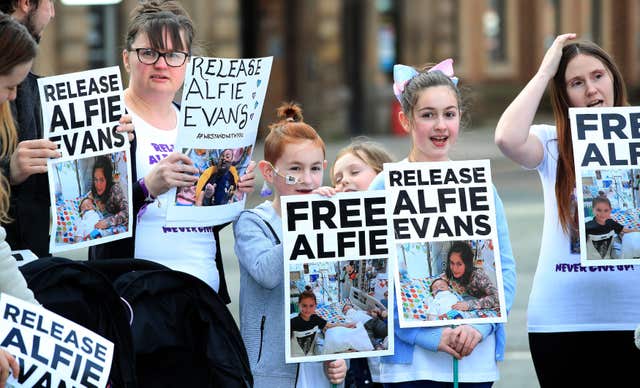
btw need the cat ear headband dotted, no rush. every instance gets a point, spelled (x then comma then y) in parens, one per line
(403, 74)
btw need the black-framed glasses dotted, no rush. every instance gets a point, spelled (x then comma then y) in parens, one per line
(149, 56)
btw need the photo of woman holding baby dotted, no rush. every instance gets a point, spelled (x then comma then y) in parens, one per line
(466, 279)
(108, 195)
(91, 201)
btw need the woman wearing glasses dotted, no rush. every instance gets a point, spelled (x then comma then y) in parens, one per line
(158, 44)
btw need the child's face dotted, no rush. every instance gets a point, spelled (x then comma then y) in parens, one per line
(87, 205)
(435, 126)
(352, 174)
(346, 308)
(602, 212)
(304, 161)
(439, 285)
(307, 308)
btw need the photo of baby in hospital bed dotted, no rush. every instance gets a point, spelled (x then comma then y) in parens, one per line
(323, 322)
(464, 290)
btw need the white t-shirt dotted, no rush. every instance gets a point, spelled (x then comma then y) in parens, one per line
(565, 296)
(186, 249)
(438, 366)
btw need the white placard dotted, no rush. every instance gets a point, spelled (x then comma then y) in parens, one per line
(433, 208)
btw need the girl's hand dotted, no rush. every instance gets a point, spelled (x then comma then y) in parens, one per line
(30, 157)
(8, 364)
(335, 370)
(176, 170)
(327, 191)
(248, 181)
(467, 338)
(126, 125)
(551, 60)
(448, 341)
(461, 306)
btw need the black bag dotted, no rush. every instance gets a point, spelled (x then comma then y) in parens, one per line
(183, 333)
(86, 296)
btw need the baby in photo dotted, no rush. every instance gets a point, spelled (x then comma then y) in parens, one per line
(89, 216)
(443, 297)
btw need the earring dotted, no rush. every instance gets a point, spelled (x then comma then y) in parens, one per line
(266, 190)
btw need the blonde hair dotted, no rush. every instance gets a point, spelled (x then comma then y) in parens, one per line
(9, 142)
(370, 152)
(18, 47)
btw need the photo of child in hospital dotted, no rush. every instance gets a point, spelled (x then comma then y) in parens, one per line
(322, 321)
(220, 170)
(447, 280)
(91, 198)
(611, 211)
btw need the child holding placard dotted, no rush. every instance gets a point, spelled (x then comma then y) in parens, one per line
(294, 161)
(354, 169)
(431, 111)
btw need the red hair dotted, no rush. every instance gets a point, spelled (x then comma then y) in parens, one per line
(290, 128)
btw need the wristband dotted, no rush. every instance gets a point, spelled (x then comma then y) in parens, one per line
(147, 195)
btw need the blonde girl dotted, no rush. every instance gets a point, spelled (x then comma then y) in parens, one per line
(357, 164)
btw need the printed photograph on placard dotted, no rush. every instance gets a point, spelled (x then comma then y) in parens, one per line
(338, 277)
(444, 280)
(217, 129)
(338, 308)
(606, 158)
(611, 209)
(220, 171)
(91, 200)
(447, 257)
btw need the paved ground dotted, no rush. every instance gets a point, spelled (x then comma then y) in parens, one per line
(522, 196)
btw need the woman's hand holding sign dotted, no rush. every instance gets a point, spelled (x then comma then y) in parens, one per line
(126, 125)
(176, 170)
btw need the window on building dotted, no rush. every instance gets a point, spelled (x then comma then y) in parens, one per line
(103, 32)
(596, 21)
(550, 21)
(387, 35)
(493, 28)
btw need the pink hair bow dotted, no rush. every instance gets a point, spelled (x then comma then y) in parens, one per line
(403, 74)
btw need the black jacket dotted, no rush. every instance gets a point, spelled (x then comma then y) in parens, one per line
(29, 200)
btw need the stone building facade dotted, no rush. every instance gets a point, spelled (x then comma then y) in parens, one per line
(335, 56)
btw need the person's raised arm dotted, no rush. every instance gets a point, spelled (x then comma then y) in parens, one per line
(512, 132)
